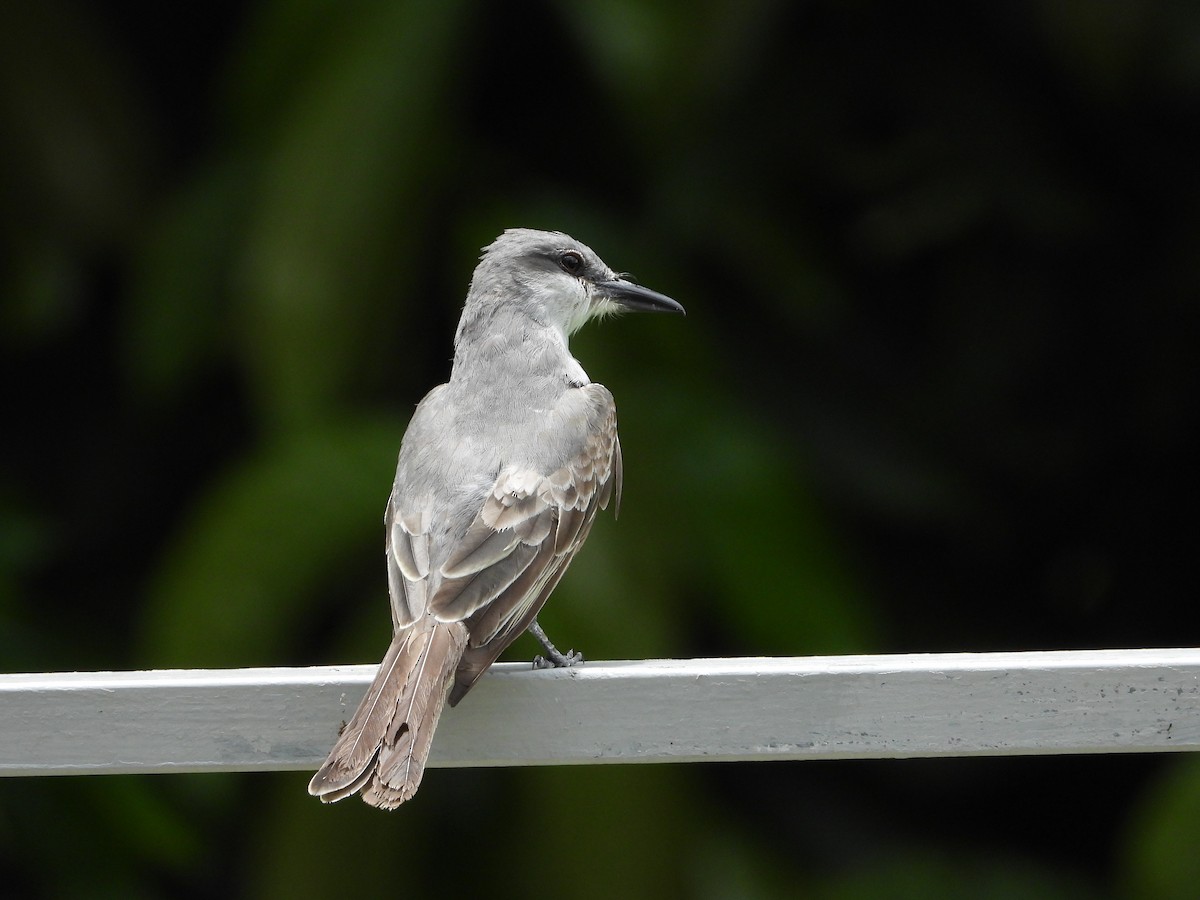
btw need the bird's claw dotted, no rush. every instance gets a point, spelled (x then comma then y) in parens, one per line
(558, 660)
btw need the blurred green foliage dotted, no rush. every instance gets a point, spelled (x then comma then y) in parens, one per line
(936, 390)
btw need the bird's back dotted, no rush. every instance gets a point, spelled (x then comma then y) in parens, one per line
(515, 401)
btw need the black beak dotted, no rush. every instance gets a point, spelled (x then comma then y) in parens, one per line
(635, 297)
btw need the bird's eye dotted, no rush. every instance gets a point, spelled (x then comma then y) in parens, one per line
(571, 262)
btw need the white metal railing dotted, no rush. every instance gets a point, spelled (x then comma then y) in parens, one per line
(958, 704)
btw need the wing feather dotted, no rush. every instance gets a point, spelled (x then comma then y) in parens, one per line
(406, 552)
(458, 598)
(482, 546)
(407, 567)
(493, 619)
(612, 487)
(570, 521)
(477, 658)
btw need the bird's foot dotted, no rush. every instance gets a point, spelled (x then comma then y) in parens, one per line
(554, 658)
(558, 660)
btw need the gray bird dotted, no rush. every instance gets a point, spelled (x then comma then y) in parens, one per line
(500, 475)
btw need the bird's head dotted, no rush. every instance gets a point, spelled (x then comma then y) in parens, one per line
(557, 281)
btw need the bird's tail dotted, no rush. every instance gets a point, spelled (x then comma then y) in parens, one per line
(382, 751)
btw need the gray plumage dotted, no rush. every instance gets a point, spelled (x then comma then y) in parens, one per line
(500, 475)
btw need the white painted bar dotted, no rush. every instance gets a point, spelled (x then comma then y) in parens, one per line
(959, 704)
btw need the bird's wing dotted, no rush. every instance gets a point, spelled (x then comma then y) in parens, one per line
(407, 564)
(530, 526)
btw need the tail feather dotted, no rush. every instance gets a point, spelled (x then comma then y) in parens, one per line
(383, 750)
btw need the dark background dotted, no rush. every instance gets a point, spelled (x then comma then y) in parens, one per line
(935, 391)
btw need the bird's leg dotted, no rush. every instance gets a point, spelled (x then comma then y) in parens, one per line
(554, 658)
